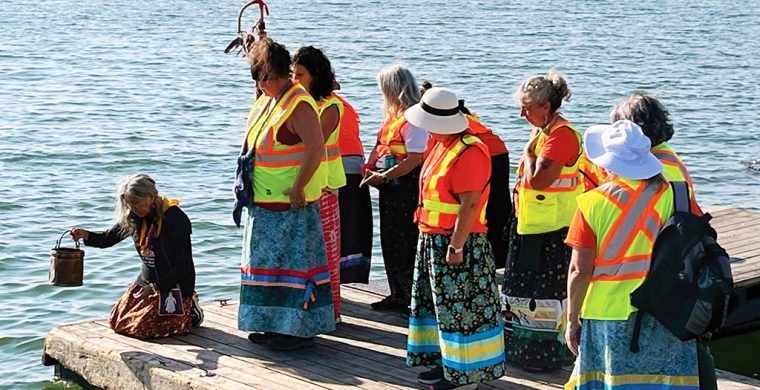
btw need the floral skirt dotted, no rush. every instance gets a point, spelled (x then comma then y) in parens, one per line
(285, 278)
(533, 298)
(138, 317)
(454, 320)
(605, 362)
(330, 213)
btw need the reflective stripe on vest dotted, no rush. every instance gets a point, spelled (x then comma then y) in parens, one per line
(626, 216)
(439, 205)
(336, 175)
(389, 139)
(276, 165)
(551, 208)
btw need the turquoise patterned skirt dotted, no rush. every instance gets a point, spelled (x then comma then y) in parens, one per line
(285, 279)
(605, 362)
(455, 317)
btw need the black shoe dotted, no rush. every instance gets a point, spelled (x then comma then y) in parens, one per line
(285, 342)
(388, 303)
(431, 377)
(443, 384)
(260, 338)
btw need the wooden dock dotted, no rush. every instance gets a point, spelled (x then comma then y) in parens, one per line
(367, 351)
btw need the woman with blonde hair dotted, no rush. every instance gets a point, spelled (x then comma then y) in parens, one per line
(394, 169)
(161, 232)
(544, 200)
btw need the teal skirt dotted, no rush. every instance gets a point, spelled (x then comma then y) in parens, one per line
(285, 279)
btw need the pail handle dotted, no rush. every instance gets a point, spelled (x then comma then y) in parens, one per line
(58, 243)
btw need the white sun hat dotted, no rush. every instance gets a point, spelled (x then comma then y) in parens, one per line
(623, 149)
(438, 112)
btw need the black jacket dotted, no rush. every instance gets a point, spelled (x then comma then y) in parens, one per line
(172, 249)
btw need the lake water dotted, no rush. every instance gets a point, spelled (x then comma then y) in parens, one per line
(92, 91)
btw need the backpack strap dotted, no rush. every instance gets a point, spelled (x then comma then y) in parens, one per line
(636, 331)
(681, 196)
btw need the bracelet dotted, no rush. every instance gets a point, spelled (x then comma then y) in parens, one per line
(384, 176)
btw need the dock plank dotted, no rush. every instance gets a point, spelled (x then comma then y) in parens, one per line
(367, 350)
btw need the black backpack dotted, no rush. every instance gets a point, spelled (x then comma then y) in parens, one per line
(689, 288)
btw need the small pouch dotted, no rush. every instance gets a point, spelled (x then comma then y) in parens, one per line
(171, 303)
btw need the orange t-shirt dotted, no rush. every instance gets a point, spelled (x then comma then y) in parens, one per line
(561, 146)
(495, 145)
(470, 172)
(580, 234)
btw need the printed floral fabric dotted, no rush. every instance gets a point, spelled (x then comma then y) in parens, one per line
(455, 313)
(605, 361)
(138, 317)
(541, 288)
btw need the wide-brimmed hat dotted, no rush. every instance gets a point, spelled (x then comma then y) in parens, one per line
(623, 149)
(438, 112)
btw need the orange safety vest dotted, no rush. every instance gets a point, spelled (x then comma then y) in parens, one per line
(336, 175)
(276, 165)
(552, 208)
(438, 204)
(389, 139)
(626, 216)
(495, 144)
(348, 140)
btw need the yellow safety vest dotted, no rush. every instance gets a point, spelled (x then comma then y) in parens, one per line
(276, 165)
(332, 163)
(626, 216)
(552, 208)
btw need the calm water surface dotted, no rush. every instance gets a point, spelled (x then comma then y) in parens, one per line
(92, 91)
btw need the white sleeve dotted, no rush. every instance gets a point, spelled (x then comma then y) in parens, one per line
(415, 138)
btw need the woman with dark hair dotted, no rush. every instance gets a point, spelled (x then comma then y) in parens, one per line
(346, 208)
(161, 232)
(285, 294)
(648, 112)
(547, 185)
(394, 168)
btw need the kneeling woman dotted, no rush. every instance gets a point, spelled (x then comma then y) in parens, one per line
(161, 232)
(454, 323)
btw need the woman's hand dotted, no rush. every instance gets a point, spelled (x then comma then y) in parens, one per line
(145, 291)
(79, 234)
(372, 178)
(531, 145)
(454, 258)
(297, 197)
(573, 336)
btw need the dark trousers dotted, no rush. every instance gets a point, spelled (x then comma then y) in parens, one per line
(499, 209)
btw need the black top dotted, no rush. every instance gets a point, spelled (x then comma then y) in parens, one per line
(172, 249)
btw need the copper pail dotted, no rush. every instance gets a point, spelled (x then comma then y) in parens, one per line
(66, 265)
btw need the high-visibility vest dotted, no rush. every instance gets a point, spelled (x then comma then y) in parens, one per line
(592, 175)
(438, 204)
(552, 208)
(674, 170)
(348, 140)
(389, 139)
(332, 163)
(626, 216)
(495, 144)
(276, 165)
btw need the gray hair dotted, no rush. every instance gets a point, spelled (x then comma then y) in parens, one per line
(399, 87)
(551, 88)
(648, 112)
(138, 186)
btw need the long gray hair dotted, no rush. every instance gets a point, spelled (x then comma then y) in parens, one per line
(399, 87)
(138, 186)
(648, 112)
